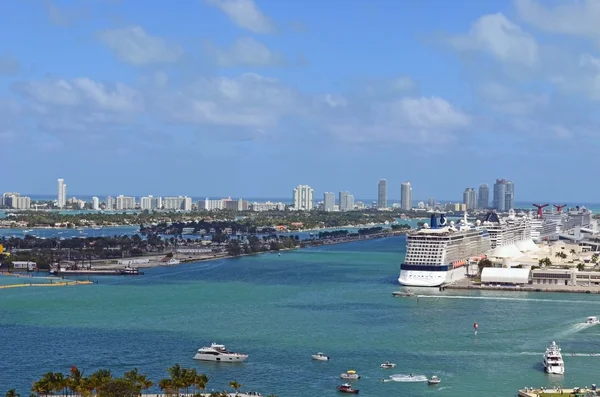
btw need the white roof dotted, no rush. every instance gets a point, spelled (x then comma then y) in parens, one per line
(527, 246)
(504, 275)
(506, 251)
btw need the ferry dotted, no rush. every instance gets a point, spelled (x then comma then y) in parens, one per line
(439, 253)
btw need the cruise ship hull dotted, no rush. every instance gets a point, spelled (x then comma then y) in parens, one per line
(431, 278)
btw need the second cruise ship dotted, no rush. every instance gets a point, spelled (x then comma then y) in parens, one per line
(439, 254)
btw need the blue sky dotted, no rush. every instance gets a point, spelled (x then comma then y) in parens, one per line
(251, 98)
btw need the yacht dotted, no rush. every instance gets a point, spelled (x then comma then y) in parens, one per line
(553, 361)
(218, 352)
(387, 365)
(347, 388)
(350, 374)
(434, 380)
(440, 253)
(320, 356)
(592, 320)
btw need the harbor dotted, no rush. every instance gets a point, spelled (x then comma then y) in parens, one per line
(559, 392)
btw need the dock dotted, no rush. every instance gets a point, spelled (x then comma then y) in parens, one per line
(57, 284)
(578, 391)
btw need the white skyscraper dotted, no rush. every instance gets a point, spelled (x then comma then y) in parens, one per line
(328, 201)
(62, 193)
(303, 198)
(110, 203)
(382, 194)
(346, 201)
(405, 196)
(95, 203)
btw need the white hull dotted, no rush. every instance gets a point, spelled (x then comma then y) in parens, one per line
(320, 358)
(555, 369)
(224, 358)
(418, 278)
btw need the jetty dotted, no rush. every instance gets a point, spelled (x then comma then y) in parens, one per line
(559, 392)
(57, 284)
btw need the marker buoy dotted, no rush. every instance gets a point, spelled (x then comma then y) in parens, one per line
(475, 326)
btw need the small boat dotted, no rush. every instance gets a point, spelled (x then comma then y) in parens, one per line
(387, 365)
(406, 294)
(350, 374)
(592, 320)
(434, 380)
(347, 388)
(320, 356)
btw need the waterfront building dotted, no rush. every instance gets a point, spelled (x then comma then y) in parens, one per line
(303, 198)
(500, 195)
(346, 201)
(150, 203)
(406, 196)
(509, 198)
(210, 205)
(470, 198)
(236, 205)
(359, 205)
(183, 203)
(382, 194)
(109, 203)
(62, 194)
(6, 197)
(484, 197)
(328, 201)
(431, 202)
(125, 202)
(95, 203)
(19, 202)
(267, 206)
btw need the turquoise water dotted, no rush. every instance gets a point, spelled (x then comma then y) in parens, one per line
(281, 309)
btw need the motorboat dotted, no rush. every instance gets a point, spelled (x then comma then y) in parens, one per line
(320, 356)
(592, 320)
(350, 374)
(434, 380)
(347, 388)
(387, 365)
(553, 361)
(217, 352)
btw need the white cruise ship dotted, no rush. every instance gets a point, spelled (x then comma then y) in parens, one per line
(509, 236)
(439, 253)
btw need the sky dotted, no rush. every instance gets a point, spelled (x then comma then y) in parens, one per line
(253, 97)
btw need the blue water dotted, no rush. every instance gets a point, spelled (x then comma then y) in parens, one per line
(281, 309)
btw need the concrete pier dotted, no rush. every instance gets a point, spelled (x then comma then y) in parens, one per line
(536, 392)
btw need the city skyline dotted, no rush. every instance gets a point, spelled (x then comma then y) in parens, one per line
(119, 84)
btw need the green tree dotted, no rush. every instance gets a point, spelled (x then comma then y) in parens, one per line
(580, 266)
(119, 388)
(484, 263)
(545, 262)
(12, 393)
(235, 386)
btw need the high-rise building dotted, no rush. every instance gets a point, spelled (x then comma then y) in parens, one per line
(382, 194)
(19, 202)
(303, 198)
(484, 197)
(146, 203)
(109, 203)
(125, 202)
(95, 203)
(328, 201)
(470, 198)
(500, 195)
(509, 199)
(346, 201)
(62, 194)
(6, 197)
(406, 196)
(177, 203)
(210, 205)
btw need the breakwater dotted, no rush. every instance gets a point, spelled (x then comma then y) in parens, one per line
(57, 284)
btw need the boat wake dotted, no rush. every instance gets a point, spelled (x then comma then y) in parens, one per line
(574, 328)
(406, 378)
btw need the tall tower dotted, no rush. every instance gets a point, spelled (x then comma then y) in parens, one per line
(500, 195)
(328, 201)
(484, 197)
(303, 198)
(510, 196)
(406, 196)
(62, 193)
(470, 198)
(382, 194)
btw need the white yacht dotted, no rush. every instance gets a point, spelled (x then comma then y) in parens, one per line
(320, 356)
(387, 365)
(218, 352)
(592, 320)
(350, 374)
(553, 361)
(439, 253)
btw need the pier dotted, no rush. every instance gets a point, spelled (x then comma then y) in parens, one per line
(558, 392)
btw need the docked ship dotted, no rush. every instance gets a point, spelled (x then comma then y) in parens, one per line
(440, 253)
(509, 236)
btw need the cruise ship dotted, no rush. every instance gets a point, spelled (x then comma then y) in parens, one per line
(439, 254)
(509, 236)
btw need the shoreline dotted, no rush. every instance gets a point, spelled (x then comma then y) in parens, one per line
(467, 284)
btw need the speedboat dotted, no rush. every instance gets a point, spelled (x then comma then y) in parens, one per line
(387, 365)
(592, 320)
(553, 361)
(347, 388)
(434, 380)
(217, 352)
(350, 374)
(320, 356)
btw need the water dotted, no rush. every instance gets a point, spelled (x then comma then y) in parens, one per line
(281, 309)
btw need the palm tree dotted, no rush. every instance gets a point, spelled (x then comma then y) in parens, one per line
(236, 386)
(573, 251)
(545, 262)
(177, 373)
(140, 381)
(580, 266)
(75, 381)
(12, 393)
(201, 381)
(167, 386)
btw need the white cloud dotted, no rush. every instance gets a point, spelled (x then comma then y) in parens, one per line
(570, 17)
(245, 14)
(248, 52)
(133, 45)
(500, 38)
(8, 65)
